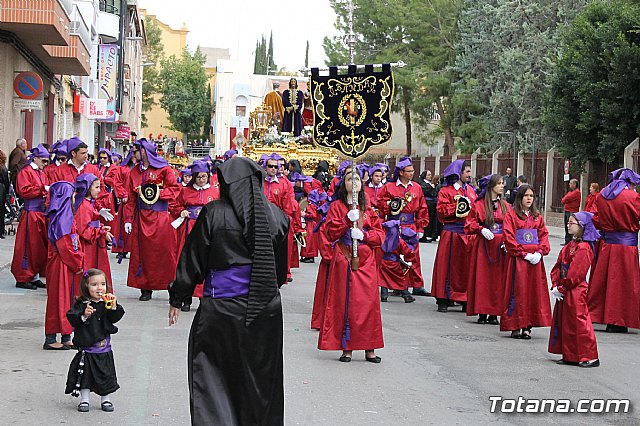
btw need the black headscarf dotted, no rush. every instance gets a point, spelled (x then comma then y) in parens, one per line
(241, 184)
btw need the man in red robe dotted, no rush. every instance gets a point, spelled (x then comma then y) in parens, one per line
(374, 186)
(30, 249)
(121, 177)
(450, 271)
(614, 288)
(151, 185)
(279, 191)
(402, 199)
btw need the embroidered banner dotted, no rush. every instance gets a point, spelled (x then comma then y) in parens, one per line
(352, 110)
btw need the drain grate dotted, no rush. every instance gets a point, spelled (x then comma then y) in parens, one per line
(468, 338)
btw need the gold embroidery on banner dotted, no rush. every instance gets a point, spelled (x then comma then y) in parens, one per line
(352, 84)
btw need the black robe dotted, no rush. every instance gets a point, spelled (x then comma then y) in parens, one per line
(235, 372)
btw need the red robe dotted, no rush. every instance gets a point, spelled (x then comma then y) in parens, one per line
(30, 248)
(614, 290)
(526, 302)
(64, 270)
(192, 198)
(94, 240)
(390, 273)
(487, 285)
(417, 207)
(280, 193)
(572, 333)
(120, 179)
(152, 240)
(590, 205)
(109, 175)
(451, 268)
(322, 281)
(52, 172)
(352, 294)
(68, 172)
(311, 249)
(372, 195)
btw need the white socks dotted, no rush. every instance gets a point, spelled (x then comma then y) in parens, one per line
(84, 395)
(106, 398)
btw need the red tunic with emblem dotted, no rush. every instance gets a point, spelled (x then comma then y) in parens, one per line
(94, 242)
(414, 215)
(64, 272)
(487, 285)
(614, 285)
(572, 333)
(526, 300)
(30, 249)
(192, 199)
(280, 192)
(351, 295)
(152, 240)
(451, 267)
(120, 179)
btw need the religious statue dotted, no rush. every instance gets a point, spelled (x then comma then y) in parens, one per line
(292, 100)
(273, 99)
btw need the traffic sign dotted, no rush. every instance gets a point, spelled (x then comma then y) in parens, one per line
(27, 85)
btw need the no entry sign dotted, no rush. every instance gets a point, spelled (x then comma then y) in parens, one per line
(27, 85)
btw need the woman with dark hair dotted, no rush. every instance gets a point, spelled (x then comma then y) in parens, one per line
(4, 190)
(485, 291)
(238, 247)
(352, 318)
(526, 238)
(322, 174)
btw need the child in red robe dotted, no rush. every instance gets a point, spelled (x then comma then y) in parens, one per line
(93, 234)
(572, 334)
(64, 265)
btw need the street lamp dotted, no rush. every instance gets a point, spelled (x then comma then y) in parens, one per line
(513, 142)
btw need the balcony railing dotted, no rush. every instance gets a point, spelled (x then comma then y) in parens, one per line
(80, 28)
(110, 6)
(68, 6)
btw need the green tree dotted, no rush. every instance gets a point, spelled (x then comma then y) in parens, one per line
(593, 105)
(271, 65)
(505, 53)
(183, 85)
(206, 123)
(153, 53)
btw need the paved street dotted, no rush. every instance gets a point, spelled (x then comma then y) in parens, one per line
(436, 369)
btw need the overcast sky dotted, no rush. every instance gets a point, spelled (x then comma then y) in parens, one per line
(213, 23)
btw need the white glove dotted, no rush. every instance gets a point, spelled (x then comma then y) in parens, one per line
(536, 258)
(353, 215)
(487, 234)
(46, 188)
(557, 294)
(106, 215)
(529, 257)
(357, 234)
(420, 235)
(127, 228)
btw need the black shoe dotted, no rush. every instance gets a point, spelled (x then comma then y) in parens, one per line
(442, 307)
(107, 406)
(589, 364)
(39, 284)
(464, 306)
(290, 279)
(375, 359)
(482, 319)
(420, 291)
(493, 320)
(145, 295)
(396, 293)
(563, 362)
(344, 358)
(307, 260)
(26, 286)
(384, 298)
(409, 298)
(424, 240)
(616, 329)
(83, 407)
(185, 308)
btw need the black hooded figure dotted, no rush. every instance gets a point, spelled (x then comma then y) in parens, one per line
(238, 247)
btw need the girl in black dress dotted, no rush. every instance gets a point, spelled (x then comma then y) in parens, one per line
(92, 317)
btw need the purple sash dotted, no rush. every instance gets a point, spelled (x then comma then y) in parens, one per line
(194, 211)
(158, 206)
(456, 227)
(404, 218)
(230, 282)
(94, 224)
(624, 238)
(101, 347)
(34, 205)
(496, 228)
(527, 236)
(391, 256)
